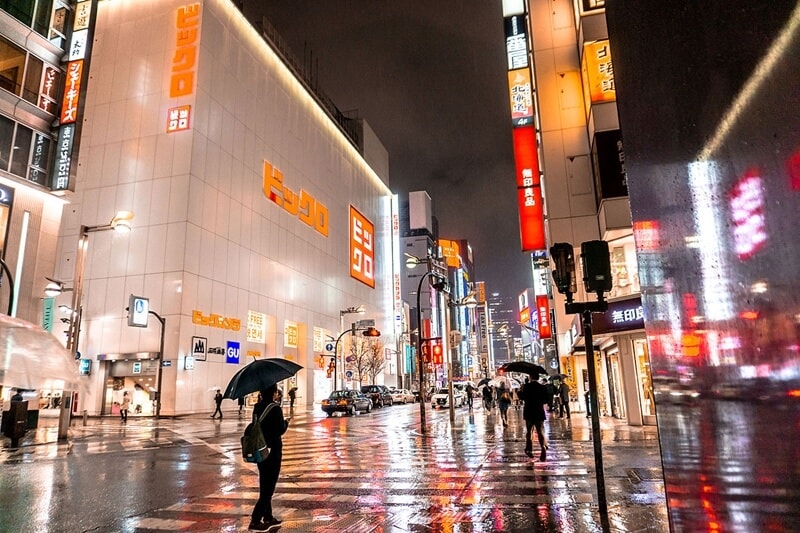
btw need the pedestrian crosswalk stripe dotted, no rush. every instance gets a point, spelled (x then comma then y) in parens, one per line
(163, 524)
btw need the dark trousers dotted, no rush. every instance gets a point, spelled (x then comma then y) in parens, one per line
(217, 411)
(268, 471)
(564, 407)
(539, 425)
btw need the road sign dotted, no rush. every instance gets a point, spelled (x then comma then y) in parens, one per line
(329, 347)
(349, 374)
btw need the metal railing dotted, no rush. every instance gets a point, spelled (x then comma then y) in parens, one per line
(350, 126)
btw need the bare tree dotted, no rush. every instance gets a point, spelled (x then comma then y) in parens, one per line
(376, 361)
(359, 352)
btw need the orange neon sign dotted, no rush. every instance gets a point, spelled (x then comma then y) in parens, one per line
(72, 91)
(304, 206)
(184, 60)
(362, 248)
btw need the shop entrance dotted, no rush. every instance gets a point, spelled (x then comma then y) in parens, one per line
(138, 379)
(614, 385)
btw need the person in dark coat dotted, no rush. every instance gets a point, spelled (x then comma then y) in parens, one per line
(488, 397)
(534, 394)
(218, 403)
(551, 392)
(563, 391)
(273, 426)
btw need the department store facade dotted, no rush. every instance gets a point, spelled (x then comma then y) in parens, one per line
(256, 219)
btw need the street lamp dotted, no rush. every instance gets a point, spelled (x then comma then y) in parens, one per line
(440, 285)
(352, 310)
(505, 332)
(121, 223)
(366, 332)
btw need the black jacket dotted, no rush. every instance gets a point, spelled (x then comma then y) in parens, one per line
(534, 394)
(273, 426)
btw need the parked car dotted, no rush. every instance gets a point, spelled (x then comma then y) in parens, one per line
(441, 398)
(379, 394)
(346, 401)
(402, 396)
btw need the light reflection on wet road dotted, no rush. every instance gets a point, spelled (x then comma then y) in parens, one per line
(372, 472)
(729, 472)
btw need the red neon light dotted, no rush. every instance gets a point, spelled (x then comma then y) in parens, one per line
(531, 219)
(526, 156)
(543, 308)
(747, 214)
(793, 168)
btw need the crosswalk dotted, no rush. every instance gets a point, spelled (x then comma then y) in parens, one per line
(376, 473)
(392, 479)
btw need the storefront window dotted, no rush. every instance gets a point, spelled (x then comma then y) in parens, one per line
(645, 379)
(624, 269)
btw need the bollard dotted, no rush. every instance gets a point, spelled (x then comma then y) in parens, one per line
(85, 416)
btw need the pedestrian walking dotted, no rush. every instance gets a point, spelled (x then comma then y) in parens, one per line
(124, 406)
(551, 392)
(273, 426)
(292, 397)
(588, 398)
(487, 397)
(218, 402)
(563, 392)
(534, 394)
(470, 395)
(241, 405)
(503, 402)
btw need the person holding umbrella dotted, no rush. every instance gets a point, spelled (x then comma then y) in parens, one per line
(273, 426)
(263, 375)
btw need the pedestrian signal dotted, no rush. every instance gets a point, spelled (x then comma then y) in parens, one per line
(437, 354)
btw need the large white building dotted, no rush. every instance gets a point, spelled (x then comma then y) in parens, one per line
(256, 220)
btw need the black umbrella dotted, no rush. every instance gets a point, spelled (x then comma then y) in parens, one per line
(525, 367)
(259, 375)
(483, 382)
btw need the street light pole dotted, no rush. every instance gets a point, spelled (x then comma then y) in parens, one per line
(163, 322)
(120, 223)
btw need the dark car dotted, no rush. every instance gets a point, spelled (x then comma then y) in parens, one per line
(346, 401)
(379, 395)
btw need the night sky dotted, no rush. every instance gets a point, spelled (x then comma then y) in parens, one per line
(430, 79)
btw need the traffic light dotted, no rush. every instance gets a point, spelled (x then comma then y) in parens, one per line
(426, 353)
(564, 274)
(437, 354)
(596, 267)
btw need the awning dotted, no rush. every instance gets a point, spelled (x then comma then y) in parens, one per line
(32, 358)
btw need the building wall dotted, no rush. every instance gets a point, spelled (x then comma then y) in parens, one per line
(205, 237)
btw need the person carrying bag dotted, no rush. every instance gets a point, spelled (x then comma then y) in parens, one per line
(273, 425)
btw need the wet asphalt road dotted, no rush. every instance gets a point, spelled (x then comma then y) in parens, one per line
(372, 472)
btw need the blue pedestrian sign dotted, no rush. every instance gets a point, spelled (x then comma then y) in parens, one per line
(232, 353)
(329, 347)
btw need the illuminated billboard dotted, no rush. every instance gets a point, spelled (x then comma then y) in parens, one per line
(520, 93)
(516, 42)
(531, 218)
(362, 248)
(598, 73)
(526, 156)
